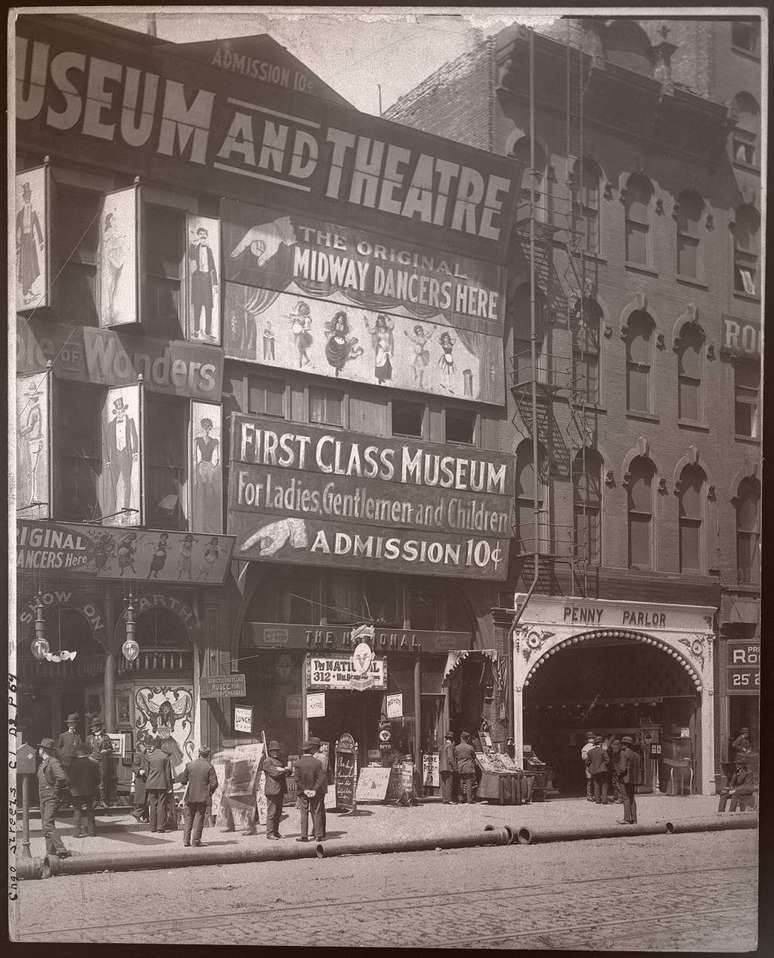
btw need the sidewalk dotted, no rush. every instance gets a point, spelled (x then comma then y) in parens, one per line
(122, 835)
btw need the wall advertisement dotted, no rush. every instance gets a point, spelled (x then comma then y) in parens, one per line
(33, 438)
(206, 472)
(31, 235)
(309, 496)
(119, 295)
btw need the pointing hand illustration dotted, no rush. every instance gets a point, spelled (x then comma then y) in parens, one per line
(264, 241)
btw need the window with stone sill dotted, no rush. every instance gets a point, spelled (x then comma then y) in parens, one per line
(689, 373)
(163, 235)
(747, 250)
(692, 496)
(326, 406)
(638, 198)
(639, 361)
(687, 217)
(166, 458)
(745, 137)
(747, 384)
(266, 396)
(77, 461)
(640, 513)
(747, 506)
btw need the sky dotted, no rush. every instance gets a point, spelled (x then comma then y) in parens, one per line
(353, 49)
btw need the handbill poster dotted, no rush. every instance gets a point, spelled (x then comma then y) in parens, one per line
(203, 279)
(206, 469)
(31, 236)
(122, 432)
(118, 258)
(33, 446)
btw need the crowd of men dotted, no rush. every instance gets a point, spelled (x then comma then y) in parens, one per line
(612, 768)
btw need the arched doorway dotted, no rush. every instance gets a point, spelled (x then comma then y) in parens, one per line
(615, 683)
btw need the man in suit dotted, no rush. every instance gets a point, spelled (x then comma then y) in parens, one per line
(322, 758)
(447, 766)
(204, 283)
(120, 453)
(741, 744)
(310, 779)
(629, 776)
(202, 781)
(67, 741)
(597, 764)
(84, 785)
(101, 751)
(584, 755)
(275, 789)
(465, 762)
(158, 784)
(740, 787)
(52, 781)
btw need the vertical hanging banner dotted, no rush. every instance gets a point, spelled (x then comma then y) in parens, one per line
(33, 203)
(206, 472)
(122, 430)
(202, 279)
(119, 258)
(33, 436)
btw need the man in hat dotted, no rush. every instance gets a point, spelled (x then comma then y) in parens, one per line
(101, 751)
(84, 785)
(740, 787)
(202, 780)
(29, 237)
(120, 452)
(741, 744)
(465, 764)
(597, 763)
(310, 779)
(52, 781)
(158, 784)
(67, 741)
(629, 776)
(584, 756)
(274, 789)
(447, 765)
(204, 285)
(322, 758)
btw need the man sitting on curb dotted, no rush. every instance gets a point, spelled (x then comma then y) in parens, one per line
(739, 789)
(202, 781)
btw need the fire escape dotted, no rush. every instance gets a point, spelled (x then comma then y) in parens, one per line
(550, 382)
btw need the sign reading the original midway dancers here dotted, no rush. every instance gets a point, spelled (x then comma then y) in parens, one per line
(301, 494)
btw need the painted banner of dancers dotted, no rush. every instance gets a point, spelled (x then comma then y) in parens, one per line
(32, 238)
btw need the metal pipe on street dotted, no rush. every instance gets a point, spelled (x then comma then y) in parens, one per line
(529, 836)
(29, 868)
(712, 824)
(490, 836)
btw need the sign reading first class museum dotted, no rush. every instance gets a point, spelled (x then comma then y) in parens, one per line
(305, 495)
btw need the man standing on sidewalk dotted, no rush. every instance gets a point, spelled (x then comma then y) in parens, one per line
(274, 789)
(597, 764)
(84, 785)
(202, 780)
(447, 766)
(310, 779)
(584, 756)
(629, 775)
(465, 761)
(101, 749)
(51, 783)
(158, 784)
(67, 742)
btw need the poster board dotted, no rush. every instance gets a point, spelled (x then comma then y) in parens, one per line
(394, 705)
(496, 762)
(330, 797)
(243, 718)
(202, 278)
(33, 446)
(372, 784)
(118, 257)
(260, 799)
(431, 771)
(206, 471)
(344, 779)
(32, 238)
(240, 780)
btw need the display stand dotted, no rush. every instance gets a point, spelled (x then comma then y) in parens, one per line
(346, 773)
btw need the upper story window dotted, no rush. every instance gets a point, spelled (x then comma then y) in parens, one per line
(745, 137)
(640, 490)
(460, 426)
(691, 506)
(688, 219)
(587, 177)
(266, 396)
(76, 244)
(532, 529)
(746, 36)
(747, 385)
(166, 459)
(164, 251)
(586, 349)
(326, 406)
(638, 199)
(689, 369)
(627, 46)
(77, 451)
(747, 505)
(408, 418)
(639, 362)
(747, 226)
(587, 506)
(535, 177)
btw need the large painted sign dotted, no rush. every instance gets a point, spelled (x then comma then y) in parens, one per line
(335, 301)
(31, 235)
(202, 279)
(168, 714)
(99, 552)
(142, 110)
(33, 438)
(740, 337)
(305, 495)
(338, 672)
(113, 358)
(206, 470)
(119, 269)
(121, 486)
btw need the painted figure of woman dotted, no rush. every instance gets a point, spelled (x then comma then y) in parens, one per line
(114, 257)
(340, 347)
(159, 556)
(207, 462)
(446, 359)
(125, 552)
(384, 346)
(300, 324)
(420, 339)
(211, 556)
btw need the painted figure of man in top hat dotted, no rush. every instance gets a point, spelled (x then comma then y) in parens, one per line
(67, 740)
(204, 285)
(274, 789)
(122, 448)
(629, 776)
(52, 781)
(27, 231)
(101, 751)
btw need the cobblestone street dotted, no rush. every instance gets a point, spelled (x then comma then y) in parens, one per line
(694, 891)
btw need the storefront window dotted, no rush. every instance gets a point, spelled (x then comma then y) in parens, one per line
(400, 678)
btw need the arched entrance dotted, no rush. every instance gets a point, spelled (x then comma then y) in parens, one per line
(613, 684)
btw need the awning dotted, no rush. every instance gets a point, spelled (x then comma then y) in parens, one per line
(456, 658)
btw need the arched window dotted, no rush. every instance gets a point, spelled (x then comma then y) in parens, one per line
(587, 177)
(639, 361)
(627, 46)
(533, 536)
(640, 488)
(639, 193)
(537, 176)
(747, 226)
(586, 351)
(689, 207)
(587, 506)
(745, 137)
(747, 503)
(689, 369)
(692, 497)
(522, 352)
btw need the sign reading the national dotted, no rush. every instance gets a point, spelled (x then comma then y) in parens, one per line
(304, 495)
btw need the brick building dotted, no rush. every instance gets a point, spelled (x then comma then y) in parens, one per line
(637, 570)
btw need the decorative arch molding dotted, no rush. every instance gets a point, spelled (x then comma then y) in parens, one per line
(638, 304)
(692, 457)
(694, 660)
(642, 448)
(749, 470)
(159, 600)
(516, 135)
(63, 598)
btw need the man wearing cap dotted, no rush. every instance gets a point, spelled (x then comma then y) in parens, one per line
(84, 785)
(66, 742)
(629, 776)
(101, 751)
(202, 780)
(584, 756)
(274, 789)
(447, 765)
(740, 786)
(597, 763)
(51, 782)
(310, 779)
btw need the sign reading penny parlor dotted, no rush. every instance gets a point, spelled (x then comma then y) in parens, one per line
(223, 686)
(338, 672)
(309, 496)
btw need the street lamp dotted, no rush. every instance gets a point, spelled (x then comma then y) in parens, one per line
(130, 648)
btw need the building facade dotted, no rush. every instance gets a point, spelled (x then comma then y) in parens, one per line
(260, 400)
(636, 423)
